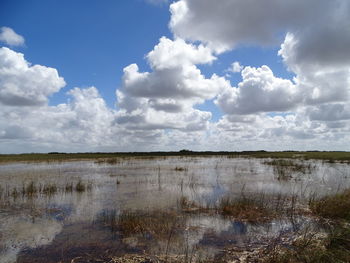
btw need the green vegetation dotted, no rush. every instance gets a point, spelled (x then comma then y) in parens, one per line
(113, 158)
(32, 190)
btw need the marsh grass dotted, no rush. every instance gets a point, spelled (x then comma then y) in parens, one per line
(30, 190)
(246, 208)
(69, 187)
(49, 189)
(253, 207)
(150, 224)
(188, 206)
(180, 169)
(102, 157)
(335, 206)
(284, 169)
(80, 187)
(35, 190)
(313, 247)
(330, 242)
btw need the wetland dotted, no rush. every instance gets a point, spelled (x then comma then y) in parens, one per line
(175, 208)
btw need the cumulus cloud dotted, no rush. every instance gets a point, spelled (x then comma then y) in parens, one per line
(235, 67)
(10, 37)
(280, 132)
(156, 109)
(23, 84)
(176, 53)
(226, 24)
(164, 98)
(259, 91)
(84, 122)
(85, 119)
(330, 112)
(316, 47)
(324, 78)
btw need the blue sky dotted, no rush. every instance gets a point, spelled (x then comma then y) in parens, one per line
(88, 42)
(109, 45)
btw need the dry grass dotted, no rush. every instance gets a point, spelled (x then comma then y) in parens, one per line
(311, 247)
(246, 208)
(155, 223)
(335, 206)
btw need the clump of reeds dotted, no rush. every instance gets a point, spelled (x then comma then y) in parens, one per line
(68, 188)
(191, 206)
(285, 168)
(185, 203)
(252, 207)
(15, 193)
(30, 189)
(80, 187)
(180, 169)
(331, 247)
(245, 208)
(335, 206)
(108, 160)
(49, 189)
(152, 223)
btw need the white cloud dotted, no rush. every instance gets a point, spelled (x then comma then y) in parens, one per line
(177, 53)
(174, 75)
(83, 121)
(228, 23)
(165, 97)
(157, 109)
(259, 91)
(22, 84)
(10, 37)
(329, 112)
(316, 47)
(236, 67)
(290, 131)
(322, 79)
(180, 83)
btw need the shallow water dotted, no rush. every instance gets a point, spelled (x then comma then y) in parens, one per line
(67, 224)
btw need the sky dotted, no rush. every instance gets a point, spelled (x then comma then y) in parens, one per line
(158, 75)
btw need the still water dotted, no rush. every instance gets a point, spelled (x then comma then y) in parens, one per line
(45, 217)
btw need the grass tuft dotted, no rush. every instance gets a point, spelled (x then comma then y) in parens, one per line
(335, 206)
(245, 208)
(80, 187)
